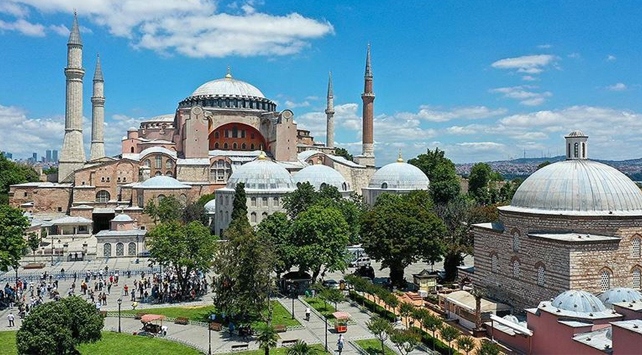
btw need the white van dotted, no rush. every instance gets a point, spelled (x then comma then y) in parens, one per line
(361, 261)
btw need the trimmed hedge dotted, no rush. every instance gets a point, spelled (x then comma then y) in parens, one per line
(440, 346)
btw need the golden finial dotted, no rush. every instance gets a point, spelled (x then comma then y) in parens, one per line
(400, 159)
(229, 73)
(262, 156)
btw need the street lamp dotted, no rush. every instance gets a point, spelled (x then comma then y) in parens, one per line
(326, 333)
(209, 336)
(292, 293)
(120, 301)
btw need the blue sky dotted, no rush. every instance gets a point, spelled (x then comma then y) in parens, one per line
(482, 80)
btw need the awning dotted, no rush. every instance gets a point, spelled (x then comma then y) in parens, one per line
(466, 300)
(151, 317)
(341, 315)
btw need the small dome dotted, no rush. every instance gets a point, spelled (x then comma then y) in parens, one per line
(262, 174)
(210, 206)
(578, 301)
(399, 176)
(228, 87)
(619, 294)
(511, 318)
(320, 174)
(577, 133)
(163, 182)
(578, 186)
(122, 218)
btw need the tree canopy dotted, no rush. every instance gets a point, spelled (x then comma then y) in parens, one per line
(13, 173)
(398, 232)
(168, 209)
(58, 327)
(13, 225)
(444, 182)
(275, 230)
(342, 152)
(187, 247)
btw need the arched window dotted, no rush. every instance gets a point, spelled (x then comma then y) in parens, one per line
(253, 201)
(234, 146)
(244, 146)
(158, 160)
(384, 185)
(275, 201)
(120, 249)
(158, 173)
(635, 275)
(494, 264)
(541, 275)
(264, 215)
(107, 250)
(516, 268)
(216, 135)
(160, 198)
(583, 150)
(224, 145)
(344, 186)
(576, 150)
(148, 163)
(220, 171)
(216, 144)
(516, 241)
(605, 280)
(183, 199)
(169, 173)
(131, 249)
(102, 196)
(169, 164)
(252, 146)
(131, 150)
(635, 247)
(253, 217)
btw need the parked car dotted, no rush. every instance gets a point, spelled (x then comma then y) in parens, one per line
(366, 271)
(330, 284)
(361, 261)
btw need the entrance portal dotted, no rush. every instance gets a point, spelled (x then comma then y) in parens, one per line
(101, 221)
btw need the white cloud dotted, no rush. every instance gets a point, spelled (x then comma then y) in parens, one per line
(529, 78)
(23, 26)
(574, 55)
(60, 30)
(432, 114)
(291, 104)
(611, 58)
(528, 64)
(544, 46)
(523, 94)
(617, 87)
(194, 28)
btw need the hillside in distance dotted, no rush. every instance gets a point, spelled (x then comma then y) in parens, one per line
(523, 167)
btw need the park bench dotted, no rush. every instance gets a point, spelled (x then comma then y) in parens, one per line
(181, 320)
(238, 347)
(216, 326)
(280, 328)
(289, 342)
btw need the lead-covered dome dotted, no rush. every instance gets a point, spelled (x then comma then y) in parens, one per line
(399, 176)
(162, 182)
(619, 294)
(320, 174)
(578, 301)
(578, 186)
(228, 86)
(262, 174)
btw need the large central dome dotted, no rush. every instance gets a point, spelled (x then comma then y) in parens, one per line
(228, 86)
(578, 186)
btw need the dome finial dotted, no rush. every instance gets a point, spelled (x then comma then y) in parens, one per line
(229, 73)
(262, 156)
(400, 158)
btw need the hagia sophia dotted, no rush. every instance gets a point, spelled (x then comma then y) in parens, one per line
(223, 133)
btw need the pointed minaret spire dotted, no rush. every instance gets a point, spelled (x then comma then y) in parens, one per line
(228, 75)
(72, 154)
(329, 112)
(98, 115)
(367, 154)
(74, 35)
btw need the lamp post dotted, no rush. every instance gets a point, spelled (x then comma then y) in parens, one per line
(52, 250)
(120, 301)
(292, 293)
(209, 336)
(326, 333)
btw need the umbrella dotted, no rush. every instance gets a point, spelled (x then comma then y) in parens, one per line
(151, 317)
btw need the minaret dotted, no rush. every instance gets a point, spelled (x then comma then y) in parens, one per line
(368, 96)
(72, 155)
(329, 113)
(98, 115)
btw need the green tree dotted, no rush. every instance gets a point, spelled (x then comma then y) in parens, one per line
(13, 173)
(342, 152)
(466, 343)
(58, 327)
(405, 310)
(188, 248)
(398, 232)
(168, 209)
(478, 181)
(50, 170)
(300, 199)
(276, 231)
(321, 236)
(380, 327)
(239, 205)
(13, 225)
(244, 274)
(405, 340)
(301, 348)
(333, 295)
(449, 334)
(488, 348)
(267, 338)
(543, 164)
(432, 323)
(33, 240)
(444, 182)
(195, 211)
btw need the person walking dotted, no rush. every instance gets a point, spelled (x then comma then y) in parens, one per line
(11, 319)
(307, 314)
(340, 343)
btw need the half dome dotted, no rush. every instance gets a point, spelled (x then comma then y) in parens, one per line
(320, 174)
(620, 294)
(262, 174)
(227, 86)
(578, 301)
(578, 186)
(399, 176)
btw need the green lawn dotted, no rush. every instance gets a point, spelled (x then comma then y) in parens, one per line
(322, 307)
(373, 346)
(112, 343)
(278, 351)
(280, 315)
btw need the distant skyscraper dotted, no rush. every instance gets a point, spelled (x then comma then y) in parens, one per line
(8, 155)
(54, 156)
(34, 157)
(48, 154)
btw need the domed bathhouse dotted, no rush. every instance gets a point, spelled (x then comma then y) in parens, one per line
(574, 224)
(395, 178)
(319, 175)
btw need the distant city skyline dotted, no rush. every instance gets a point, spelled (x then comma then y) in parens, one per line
(482, 81)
